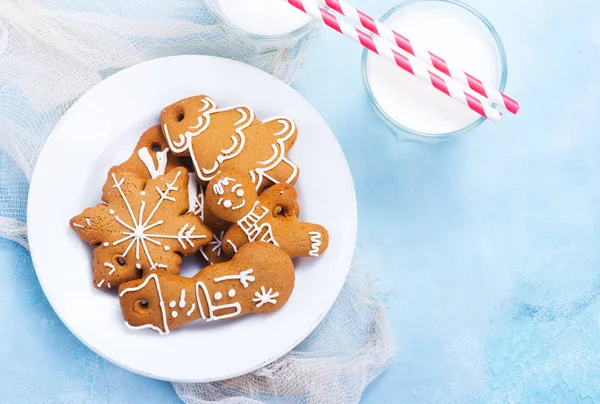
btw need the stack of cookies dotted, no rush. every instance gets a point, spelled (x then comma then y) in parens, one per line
(210, 183)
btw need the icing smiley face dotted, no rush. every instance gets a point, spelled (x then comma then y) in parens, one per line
(232, 193)
(259, 279)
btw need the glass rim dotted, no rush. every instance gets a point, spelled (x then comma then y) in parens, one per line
(260, 37)
(501, 85)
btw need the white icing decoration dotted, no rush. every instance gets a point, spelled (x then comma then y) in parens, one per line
(108, 284)
(100, 283)
(143, 193)
(232, 148)
(240, 192)
(212, 309)
(138, 266)
(238, 143)
(241, 205)
(218, 296)
(231, 293)
(138, 226)
(244, 277)
(213, 169)
(218, 243)
(184, 139)
(172, 303)
(270, 159)
(78, 225)
(112, 212)
(232, 246)
(161, 304)
(227, 204)
(265, 297)
(289, 127)
(204, 255)
(161, 332)
(219, 187)
(106, 244)
(316, 243)
(182, 299)
(250, 225)
(112, 268)
(174, 314)
(161, 159)
(196, 197)
(87, 220)
(191, 310)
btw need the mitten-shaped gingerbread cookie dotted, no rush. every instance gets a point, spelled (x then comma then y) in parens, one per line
(143, 226)
(259, 279)
(230, 139)
(151, 156)
(270, 217)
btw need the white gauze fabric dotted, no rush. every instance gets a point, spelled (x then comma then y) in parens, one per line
(53, 51)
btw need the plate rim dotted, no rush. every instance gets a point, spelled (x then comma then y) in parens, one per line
(37, 177)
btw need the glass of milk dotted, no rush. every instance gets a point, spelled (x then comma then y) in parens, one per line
(456, 32)
(262, 22)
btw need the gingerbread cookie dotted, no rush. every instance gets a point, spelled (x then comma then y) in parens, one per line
(152, 157)
(230, 139)
(271, 217)
(259, 279)
(143, 226)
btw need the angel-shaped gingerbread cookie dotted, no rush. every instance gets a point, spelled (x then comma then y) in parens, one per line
(271, 217)
(142, 226)
(230, 138)
(259, 279)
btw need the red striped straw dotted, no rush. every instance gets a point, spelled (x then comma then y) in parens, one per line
(407, 62)
(424, 55)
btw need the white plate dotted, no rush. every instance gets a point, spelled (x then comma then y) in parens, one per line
(101, 130)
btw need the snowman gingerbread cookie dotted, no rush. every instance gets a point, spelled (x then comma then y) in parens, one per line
(230, 139)
(259, 279)
(271, 217)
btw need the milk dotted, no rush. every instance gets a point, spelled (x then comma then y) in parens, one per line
(451, 32)
(262, 17)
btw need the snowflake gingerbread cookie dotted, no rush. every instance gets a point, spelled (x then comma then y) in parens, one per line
(259, 279)
(151, 158)
(271, 217)
(230, 139)
(143, 226)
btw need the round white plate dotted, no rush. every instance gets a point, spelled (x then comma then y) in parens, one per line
(101, 130)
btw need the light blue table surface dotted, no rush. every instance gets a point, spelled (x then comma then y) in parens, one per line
(486, 246)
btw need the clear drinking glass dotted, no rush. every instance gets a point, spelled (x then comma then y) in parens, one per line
(404, 132)
(288, 39)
